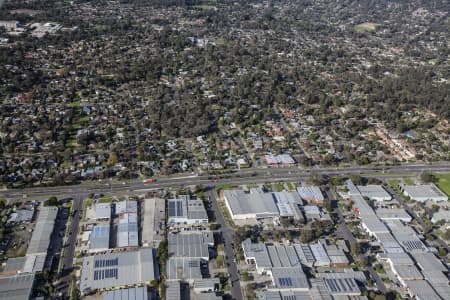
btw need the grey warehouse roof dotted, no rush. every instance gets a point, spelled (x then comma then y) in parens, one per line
(428, 191)
(40, 239)
(183, 268)
(289, 278)
(138, 293)
(16, 287)
(118, 269)
(256, 202)
(310, 192)
(102, 211)
(99, 238)
(374, 192)
(126, 206)
(193, 244)
(173, 290)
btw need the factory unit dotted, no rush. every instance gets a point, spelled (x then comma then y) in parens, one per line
(374, 192)
(187, 211)
(423, 193)
(99, 238)
(17, 287)
(311, 194)
(120, 269)
(256, 204)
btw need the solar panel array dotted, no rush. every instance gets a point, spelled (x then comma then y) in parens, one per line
(106, 273)
(285, 282)
(176, 208)
(340, 285)
(101, 263)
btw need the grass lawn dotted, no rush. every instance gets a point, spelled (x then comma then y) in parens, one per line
(290, 186)
(444, 182)
(204, 6)
(105, 199)
(280, 187)
(220, 42)
(366, 27)
(409, 181)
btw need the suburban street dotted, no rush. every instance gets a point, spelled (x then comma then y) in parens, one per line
(69, 251)
(348, 236)
(227, 237)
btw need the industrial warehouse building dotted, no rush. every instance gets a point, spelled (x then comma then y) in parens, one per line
(386, 214)
(99, 238)
(128, 227)
(121, 269)
(193, 245)
(127, 231)
(311, 194)
(136, 293)
(36, 258)
(18, 287)
(256, 204)
(374, 192)
(188, 254)
(423, 193)
(36, 255)
(185, 210)
(102, 211)
(265, 256)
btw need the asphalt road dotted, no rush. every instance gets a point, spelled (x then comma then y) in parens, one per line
(228, 238)
(345, 232)
(251, 175)
(69, 253)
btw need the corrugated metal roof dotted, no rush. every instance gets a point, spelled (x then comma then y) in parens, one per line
(256, 202)
(193, 244)
(374, 192)
(173, 290)
(118, 269)
(310, 193)
(102, 211)
(183, 268)
(40, 239)
(126, 206)
(289, 278)
(138, 293)
(127, 231)
(16, 287)
(99, 238)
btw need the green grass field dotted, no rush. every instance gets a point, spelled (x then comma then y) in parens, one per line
(366, 27)
(409, 181)
(444, 182)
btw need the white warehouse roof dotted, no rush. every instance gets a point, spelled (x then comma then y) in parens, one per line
(374, 192)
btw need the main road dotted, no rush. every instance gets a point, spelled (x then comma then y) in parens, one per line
(251, 175)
